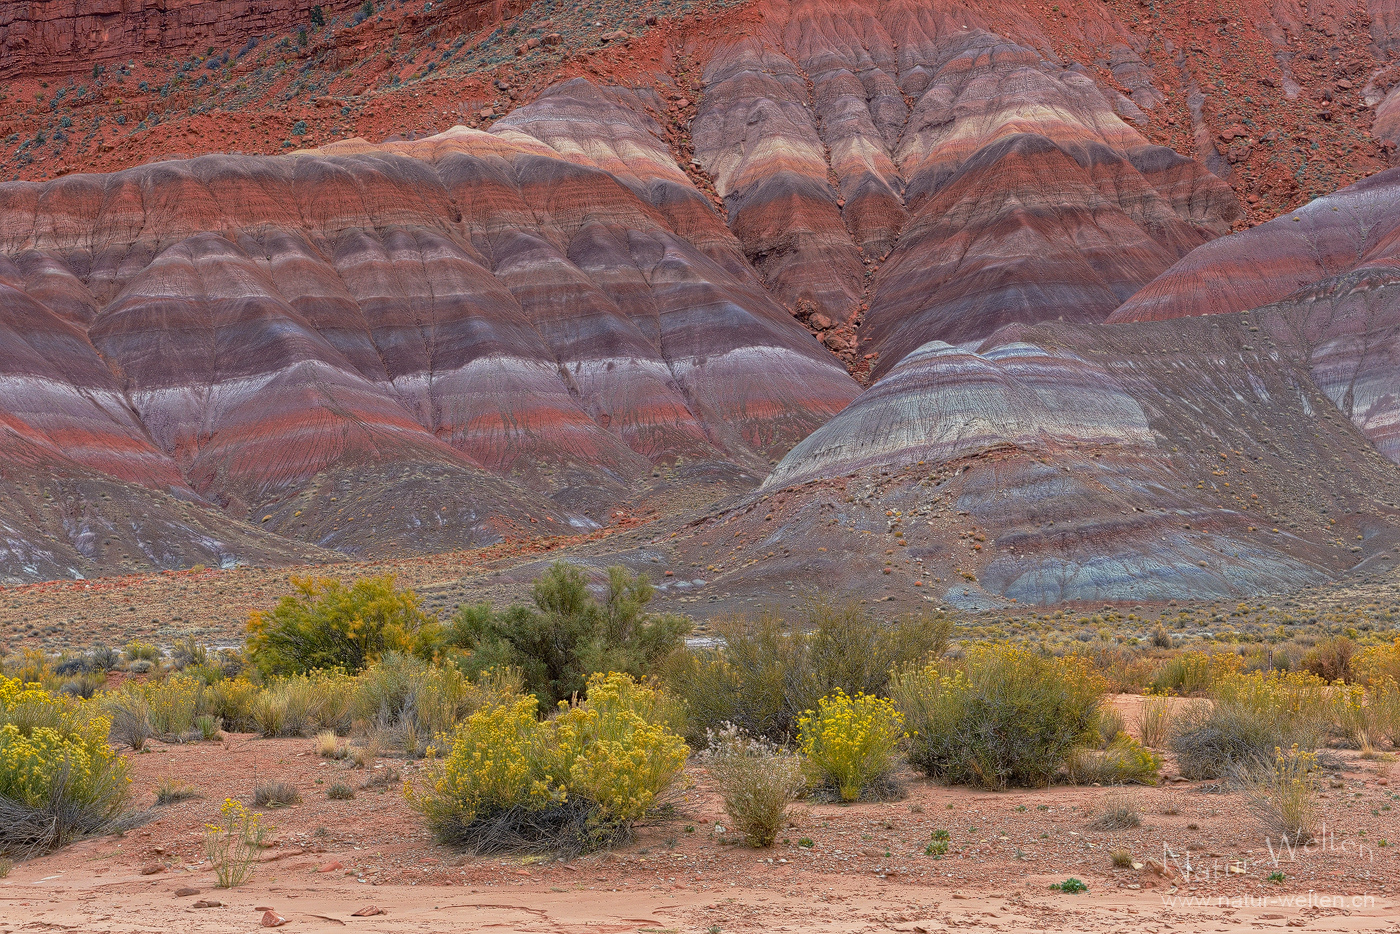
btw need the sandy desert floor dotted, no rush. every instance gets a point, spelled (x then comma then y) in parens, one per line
(1206, 862)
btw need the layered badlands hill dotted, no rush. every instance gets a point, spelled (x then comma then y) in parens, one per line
(416, 345)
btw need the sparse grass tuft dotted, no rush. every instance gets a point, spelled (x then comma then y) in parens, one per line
(171, 791)
(1283, 793)
(1154, 720)
(276, 794)
(328, 745)
(339, 791)
(1118, 811)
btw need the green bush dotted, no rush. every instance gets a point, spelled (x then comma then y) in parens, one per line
(59, 779)
(766, 673)
(330, 626)
(141, 651)
(567, 635)
(1003, 716)
(568, 784)
(1124, 761)
(1249, 715)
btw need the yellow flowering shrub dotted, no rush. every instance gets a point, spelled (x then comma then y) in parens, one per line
(56, 762)
(1251, 714)
(1377, 663)
(328, 625)
(615, 748)
(850, 742)
(1005, 715)
(232, 844)
(510, 780)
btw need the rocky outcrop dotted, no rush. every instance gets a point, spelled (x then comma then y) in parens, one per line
(1324, 280)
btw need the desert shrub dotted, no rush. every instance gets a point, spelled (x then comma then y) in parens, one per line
(1282, 792)
(1004, 716)
(141, 652)
(1124, 670)
(85, 685)
(756, 779)
(173, 703)
(339, 791)
(1123, 761)
(744, 681)
(1118, 811)
(130, 714)
(232, 700)
(1154, 720)
(567, 634)
(303, 704)
(209, 727)
(766, 673)
(275, 794)
(1383, 707)
(411, 702)
(1377, 663)
(188, 652)
(1108, 723)
(327, 625)
(1192, 673)
(850, 743)
(172, 791)
(103, 658)
(59, 778)
(31, 667)
(1161, 638)
(1249, 715)
(232, 843)
(1330, 659)
(569, 784)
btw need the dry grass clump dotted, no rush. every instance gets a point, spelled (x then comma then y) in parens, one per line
(1154, 720)
(276, 794)
(381, 779)
(1120, 858)
(329, 746)
(1283, 792)
(1118, 811)
(172, 791)
(757, 780)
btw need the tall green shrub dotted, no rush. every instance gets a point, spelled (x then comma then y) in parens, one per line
(567, 635)
(1004, 716)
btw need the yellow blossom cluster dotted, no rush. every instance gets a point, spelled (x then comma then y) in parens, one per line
(849, 741)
